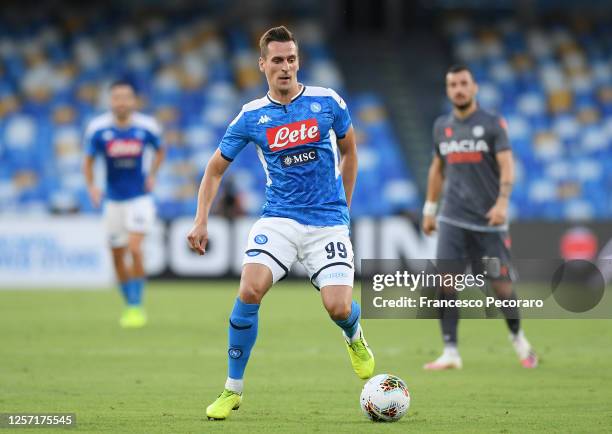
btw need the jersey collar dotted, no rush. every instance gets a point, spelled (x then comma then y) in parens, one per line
(123, 127)
(464, 120)
(299, 94)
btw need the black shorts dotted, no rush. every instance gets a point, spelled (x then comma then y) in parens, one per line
(488, 251)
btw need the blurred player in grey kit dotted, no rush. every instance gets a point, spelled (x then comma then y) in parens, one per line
(473, 165)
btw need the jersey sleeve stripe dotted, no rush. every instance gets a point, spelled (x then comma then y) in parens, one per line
(99, 122)
(148, 123)
(225, 157)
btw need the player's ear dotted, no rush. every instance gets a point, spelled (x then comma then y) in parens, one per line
(261, 64)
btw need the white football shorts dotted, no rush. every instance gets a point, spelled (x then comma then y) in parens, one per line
(325, 252)
(122, 217)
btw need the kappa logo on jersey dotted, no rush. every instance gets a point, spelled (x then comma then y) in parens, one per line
(464, 151)
(124, 148)
(293, 134)
(263, 119)
(299, 158)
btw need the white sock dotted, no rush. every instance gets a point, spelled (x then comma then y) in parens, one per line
(521, 344)
(234, 385)
(356, 336)
(451, 350)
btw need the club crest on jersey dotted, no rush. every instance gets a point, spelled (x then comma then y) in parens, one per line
(315, 107)
(299, 158)
(293, 134)
(478, 131)
(123, 148)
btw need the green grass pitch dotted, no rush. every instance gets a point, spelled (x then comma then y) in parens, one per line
(63, 351)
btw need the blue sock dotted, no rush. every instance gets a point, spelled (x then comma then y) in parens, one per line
(351, 323)
(242, 335)
(135, 288)
(125, 289)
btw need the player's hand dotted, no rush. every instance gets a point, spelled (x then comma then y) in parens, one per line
(95, 195)
(198, 238)
(150, 183)
(498, 214)
(429, 224)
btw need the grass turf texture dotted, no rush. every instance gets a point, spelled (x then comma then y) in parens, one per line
(64, 352)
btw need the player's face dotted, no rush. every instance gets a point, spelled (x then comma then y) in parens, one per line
(123, 101)
(281, 66)
(461, 89)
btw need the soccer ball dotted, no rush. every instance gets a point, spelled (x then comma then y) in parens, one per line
(385, 398)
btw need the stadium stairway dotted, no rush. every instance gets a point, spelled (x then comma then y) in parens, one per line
(410, 78)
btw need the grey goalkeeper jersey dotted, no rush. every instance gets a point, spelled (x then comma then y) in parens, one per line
(468, 147)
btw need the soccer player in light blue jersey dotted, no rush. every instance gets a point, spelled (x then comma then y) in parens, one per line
(306, 144)
(120, 137)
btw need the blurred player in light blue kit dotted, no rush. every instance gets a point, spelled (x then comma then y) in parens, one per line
(120, 137)
(306, 144)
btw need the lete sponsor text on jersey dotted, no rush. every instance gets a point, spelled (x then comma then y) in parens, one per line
(118, 148)
(293, 134)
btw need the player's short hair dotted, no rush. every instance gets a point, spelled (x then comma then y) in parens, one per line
(123, 82)
(275, 34)
(459, 67)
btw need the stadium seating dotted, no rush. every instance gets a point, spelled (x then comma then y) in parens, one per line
(193, 77)
(553, 84)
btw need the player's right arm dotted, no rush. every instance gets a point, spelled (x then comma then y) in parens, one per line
(198, 236)
(435, 180)
(235, 139)
(95, 195)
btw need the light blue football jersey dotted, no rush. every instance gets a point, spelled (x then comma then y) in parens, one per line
(123, 150)
(296, 144)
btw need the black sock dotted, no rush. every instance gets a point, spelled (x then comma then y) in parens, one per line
(512, 314)
(514, 325)
(449, 318)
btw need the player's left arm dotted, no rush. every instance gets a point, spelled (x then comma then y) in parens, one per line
(347, 145)
(498, 214)
(348, 163)
(158, 159)
(155, 141)
(91, 149)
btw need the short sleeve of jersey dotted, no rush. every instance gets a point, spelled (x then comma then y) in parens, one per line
(500, 134)
(342, 118)
(90, 140)
(154, 136)
(434, 136)
(235, 139)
